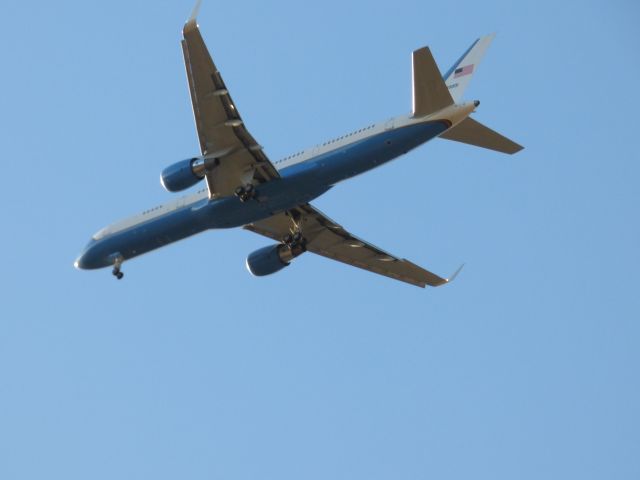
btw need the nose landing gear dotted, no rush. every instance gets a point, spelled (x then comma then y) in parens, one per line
(117, 263)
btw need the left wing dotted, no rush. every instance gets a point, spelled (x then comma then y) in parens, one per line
(325, 237)
(232, 156)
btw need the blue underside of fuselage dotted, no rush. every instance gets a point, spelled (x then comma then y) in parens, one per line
(299, 184)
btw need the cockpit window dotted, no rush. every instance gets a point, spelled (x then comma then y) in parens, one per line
(100, 234)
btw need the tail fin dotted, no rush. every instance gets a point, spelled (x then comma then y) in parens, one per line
(459, 75)
(474, 133)
(430, 93)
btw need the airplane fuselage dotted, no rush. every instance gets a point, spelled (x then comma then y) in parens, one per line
(304, 176)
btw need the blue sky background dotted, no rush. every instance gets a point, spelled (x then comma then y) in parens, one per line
(526, 367)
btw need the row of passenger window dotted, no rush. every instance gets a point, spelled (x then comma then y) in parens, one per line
(328, 143)
(348, 135)
(146, 212)
(290, 157)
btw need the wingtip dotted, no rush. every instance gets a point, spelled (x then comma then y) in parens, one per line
(455, 274)
(195, 11)
(192, 22)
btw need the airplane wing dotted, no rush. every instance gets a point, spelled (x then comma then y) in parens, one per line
(232, 155)
(329, 239)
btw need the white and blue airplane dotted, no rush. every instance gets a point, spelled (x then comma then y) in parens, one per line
(245, 189)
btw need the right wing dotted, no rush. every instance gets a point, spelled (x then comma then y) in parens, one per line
(233, 157)
(325, 237)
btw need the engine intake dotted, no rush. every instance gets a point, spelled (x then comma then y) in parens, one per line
(183, 174)
(272, 259)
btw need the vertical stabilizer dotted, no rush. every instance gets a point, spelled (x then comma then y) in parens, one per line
(459, 75)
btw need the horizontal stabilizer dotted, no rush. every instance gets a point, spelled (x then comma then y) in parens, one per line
(474, 133)
(430, 93)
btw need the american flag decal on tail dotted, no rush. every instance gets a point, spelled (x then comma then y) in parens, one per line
(461, 72)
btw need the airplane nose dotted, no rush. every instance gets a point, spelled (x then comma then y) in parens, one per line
(90, 257)
(80, 262)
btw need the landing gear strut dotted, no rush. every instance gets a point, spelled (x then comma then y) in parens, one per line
(116, 268)
(245, 192)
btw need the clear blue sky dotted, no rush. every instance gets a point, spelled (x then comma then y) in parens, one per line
(526, 367)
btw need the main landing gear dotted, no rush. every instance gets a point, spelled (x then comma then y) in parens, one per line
(294, 239)
(294, 244)
(246, 192)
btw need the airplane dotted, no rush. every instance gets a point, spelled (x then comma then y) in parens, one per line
(243, 188)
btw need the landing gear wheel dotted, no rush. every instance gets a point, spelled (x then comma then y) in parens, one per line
(119, 275)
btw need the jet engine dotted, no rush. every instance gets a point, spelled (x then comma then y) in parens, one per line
(182, 175)
(273, 258)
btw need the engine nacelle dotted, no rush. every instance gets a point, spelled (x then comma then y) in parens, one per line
(271, 259)
(182, 175)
